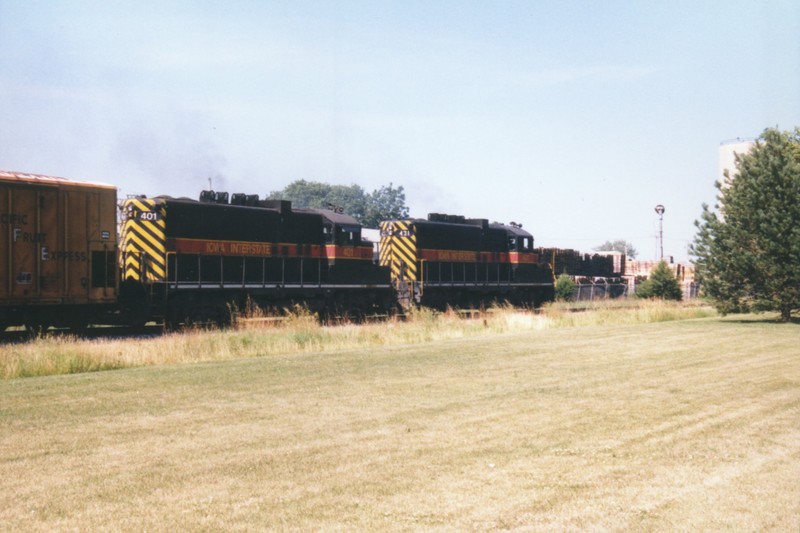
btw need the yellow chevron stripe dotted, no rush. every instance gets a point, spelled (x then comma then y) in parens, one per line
(385, 258)
(399, 252)
(144, 241)
(153, 266)
(154, 274)
(153, 227)
(155, 271)
(143, 246)
(156, 244)
(406, 248)
(144, 204)
(407, 251)
(132, 270)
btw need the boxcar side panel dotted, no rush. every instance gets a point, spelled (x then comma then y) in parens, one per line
(57, 242)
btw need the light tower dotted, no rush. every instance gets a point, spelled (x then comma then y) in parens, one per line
(660, 211)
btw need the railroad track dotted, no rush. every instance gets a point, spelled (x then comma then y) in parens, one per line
(98, 332)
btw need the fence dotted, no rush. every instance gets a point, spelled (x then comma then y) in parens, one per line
(600, 291)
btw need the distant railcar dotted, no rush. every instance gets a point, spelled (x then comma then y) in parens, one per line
(58, 243)
(577, 264)
(449, 260)
(192, 260)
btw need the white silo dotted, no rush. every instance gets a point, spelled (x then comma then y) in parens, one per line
(727, 159)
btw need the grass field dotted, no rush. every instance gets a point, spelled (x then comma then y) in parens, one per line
(682, 425)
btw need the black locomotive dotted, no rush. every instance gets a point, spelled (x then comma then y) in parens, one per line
(184, 260)
(449, 260)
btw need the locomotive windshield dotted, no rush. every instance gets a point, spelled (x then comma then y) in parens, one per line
(348, 235)
(342, 235)
(520, 243)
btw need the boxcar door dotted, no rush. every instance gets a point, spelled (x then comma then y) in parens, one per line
(51, 277)
(24, 239)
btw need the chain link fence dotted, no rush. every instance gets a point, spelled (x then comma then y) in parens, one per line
(602, 290)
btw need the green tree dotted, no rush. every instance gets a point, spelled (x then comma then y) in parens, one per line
(368, 209)
(565, 288)
(313, 194)
(748, 249)
(618, 245)
(662, 283)
(386, 203)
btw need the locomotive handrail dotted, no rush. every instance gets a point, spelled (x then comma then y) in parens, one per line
(421, 278)
(174, 281)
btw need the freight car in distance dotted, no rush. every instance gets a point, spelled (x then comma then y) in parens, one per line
(58, 251)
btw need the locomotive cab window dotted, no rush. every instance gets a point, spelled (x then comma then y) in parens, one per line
(348, 235)
(327, 229)
(512, 243)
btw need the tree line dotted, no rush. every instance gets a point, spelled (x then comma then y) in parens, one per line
(384, 203)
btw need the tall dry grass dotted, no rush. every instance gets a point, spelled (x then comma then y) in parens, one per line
(299, 331)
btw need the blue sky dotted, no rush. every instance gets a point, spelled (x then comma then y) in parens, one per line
(574, 118)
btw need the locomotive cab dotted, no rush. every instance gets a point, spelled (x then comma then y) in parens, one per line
(522, 258)
(350, 257)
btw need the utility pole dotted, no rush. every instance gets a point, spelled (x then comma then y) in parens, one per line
(660, 210)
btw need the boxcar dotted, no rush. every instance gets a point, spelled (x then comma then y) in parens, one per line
(58, 243)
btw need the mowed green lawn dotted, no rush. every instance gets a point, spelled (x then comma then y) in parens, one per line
(688, 425)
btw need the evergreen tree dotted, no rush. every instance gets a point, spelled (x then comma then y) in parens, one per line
(748, 249)
(661, 284)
